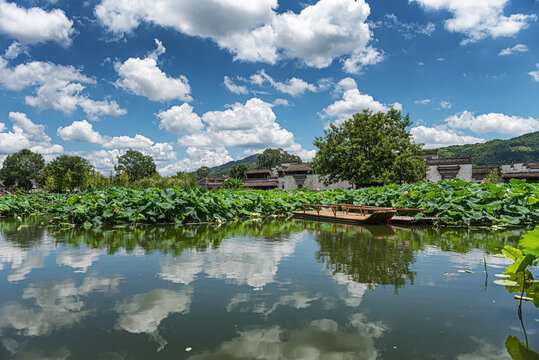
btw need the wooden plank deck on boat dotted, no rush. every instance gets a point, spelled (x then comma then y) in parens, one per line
(366, 215)
(344, 218)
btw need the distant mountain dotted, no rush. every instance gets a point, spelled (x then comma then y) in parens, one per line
(223, 169)
(524, 148)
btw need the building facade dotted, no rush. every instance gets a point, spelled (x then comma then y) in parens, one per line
(446, 169)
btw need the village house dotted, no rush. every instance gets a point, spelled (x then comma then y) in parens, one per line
(445, 169)
(210, 183)
(528, 171)
(461, 168)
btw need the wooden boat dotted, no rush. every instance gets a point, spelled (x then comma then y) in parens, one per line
(366, 215)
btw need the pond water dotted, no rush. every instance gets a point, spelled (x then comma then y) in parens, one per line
(273, 289)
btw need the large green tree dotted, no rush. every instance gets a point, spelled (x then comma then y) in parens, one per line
(370, 149)
(21, 168)
(67, 172)
(237, 171)
(203, 172)
(136, 165)
(273, 157)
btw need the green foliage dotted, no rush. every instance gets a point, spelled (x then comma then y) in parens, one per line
(67, 173)
(158, 181)
(203, 172)
(273, 157)
(232, 183)
(452, 202)
(493, 177)
(21, 168)
(518, 350)
(523, 260)
(136, 165)
(530, 242)
(185, 180)
(237, 171)
(370, 149)
(524, 148)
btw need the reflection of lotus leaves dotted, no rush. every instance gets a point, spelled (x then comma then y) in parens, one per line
(58, 305)
(142, 313)
(321, 339)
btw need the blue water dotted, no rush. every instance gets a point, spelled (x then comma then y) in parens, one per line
(279, 289)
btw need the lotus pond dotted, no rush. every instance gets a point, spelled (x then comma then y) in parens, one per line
(453, 202)
(265, 289)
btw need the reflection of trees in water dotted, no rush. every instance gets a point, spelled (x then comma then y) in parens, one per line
(366, 259)
(382, 255)
(26, 234)
(462, 240)
(172, 239)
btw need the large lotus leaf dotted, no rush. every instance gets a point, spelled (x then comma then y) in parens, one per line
(518, 350)
(530, 242)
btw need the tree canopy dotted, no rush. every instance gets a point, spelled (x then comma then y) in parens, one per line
(67, 172)
(370, 149)
(21, 168)
(273, 157)
(203, 172)
(136, 165)
(237, 171)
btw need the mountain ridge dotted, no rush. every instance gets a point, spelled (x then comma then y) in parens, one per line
(520, 149)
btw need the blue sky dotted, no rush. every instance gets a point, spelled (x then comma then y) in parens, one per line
(196, 83)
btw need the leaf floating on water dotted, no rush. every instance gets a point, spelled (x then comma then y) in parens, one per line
(499, 255)
(505, 282)
(188, 349)
(465, 271)
(502, 275)
(523, 298)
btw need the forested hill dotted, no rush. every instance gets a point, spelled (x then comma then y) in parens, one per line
(524, 148)
(223, 169)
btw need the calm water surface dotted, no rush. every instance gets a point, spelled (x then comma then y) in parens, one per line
(277, 289)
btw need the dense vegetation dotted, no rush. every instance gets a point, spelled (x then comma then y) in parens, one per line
(524, 148)
(370, 149)
(453, 202)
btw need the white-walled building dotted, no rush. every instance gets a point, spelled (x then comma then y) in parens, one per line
(446, 169)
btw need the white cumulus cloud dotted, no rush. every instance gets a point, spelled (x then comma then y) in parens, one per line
(359, 59)
(435, 137)
(493, 122)
(56, 87)
(293, 86)
(353, 101)
(253, 30)
(512, 50)
(535, 74)
(26, 134)
(15, 49)
(80, 131)
(143, 77)
(249, 125)
(34, 25)
(233, 87)
(197, 157)
(180, 120)
(479, 19)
